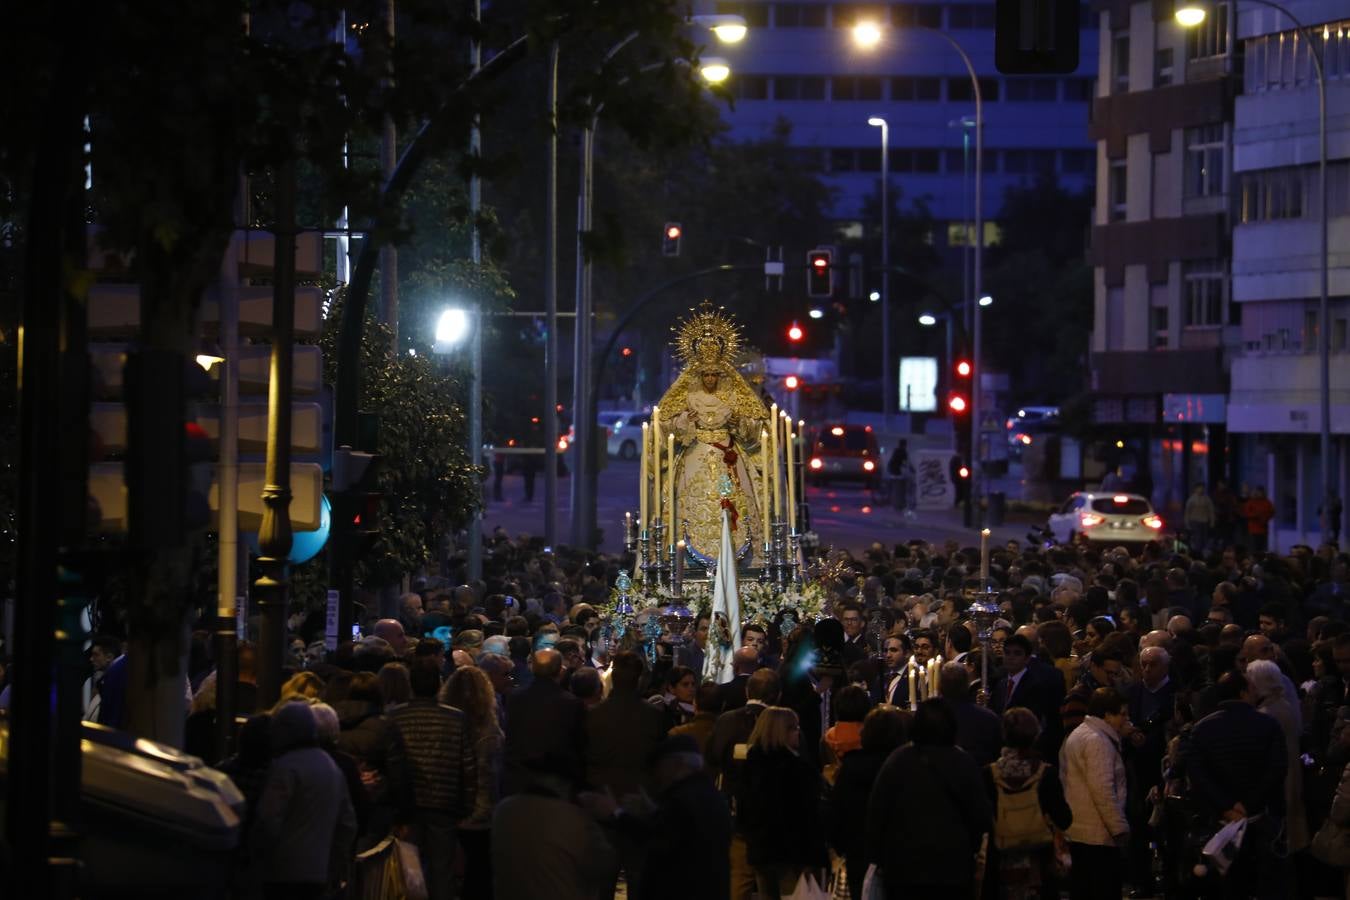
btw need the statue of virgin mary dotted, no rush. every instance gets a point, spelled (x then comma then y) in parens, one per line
(717, 419)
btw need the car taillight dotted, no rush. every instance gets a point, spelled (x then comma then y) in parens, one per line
(817, 463)
(1153, 521)
(868, 465)
(562, 444)
(1090, 520)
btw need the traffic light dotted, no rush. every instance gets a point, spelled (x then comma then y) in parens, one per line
(963, 368)
(355, 495)
(957, 403)
(820, 272)
(795, 333)
(958, 399)
(792, 382)
(670, 239)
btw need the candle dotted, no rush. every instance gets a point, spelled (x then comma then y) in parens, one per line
(679, 568)
(773, 462)
(913, 697)
(792, 481)
(643, 520)
(764, 482)
(656, 462)
(670, 485)
(984, 558)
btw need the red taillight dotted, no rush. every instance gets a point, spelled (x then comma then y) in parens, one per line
(1091, 520)
(868, 465)
(1153, 521)
(562, 444)
(817, 463)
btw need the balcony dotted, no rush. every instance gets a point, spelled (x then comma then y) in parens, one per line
(1280, 393)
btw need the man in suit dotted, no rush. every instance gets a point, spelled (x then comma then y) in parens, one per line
(894, 686)
(726, 754)
(543, 720)
(620, 734)
(850, 613)
(979, 732)
(744, 662)
(1151, 703)
(1038, 688)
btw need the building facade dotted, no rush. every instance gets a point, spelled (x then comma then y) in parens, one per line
(1274, 409)
(1205, 249)
(800, 65)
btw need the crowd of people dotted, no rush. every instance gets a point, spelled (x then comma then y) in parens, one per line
(1129, 707)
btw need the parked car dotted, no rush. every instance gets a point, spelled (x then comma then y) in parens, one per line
(1107, 518)
(847, 452)
(625, 431)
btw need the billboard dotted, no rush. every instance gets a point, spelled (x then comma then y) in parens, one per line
(918, 383)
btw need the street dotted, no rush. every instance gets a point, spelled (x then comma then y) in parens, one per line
(844, 515)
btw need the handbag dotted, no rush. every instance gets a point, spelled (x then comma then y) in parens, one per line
(391, 870)
(1331, 844)
(808, 888)
(873, 888)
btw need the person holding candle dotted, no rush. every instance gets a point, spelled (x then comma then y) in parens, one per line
(712, 420)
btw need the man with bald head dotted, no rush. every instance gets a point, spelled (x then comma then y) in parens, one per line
(744, 663)
(543, 720)
(1155, 638)
(391, 630)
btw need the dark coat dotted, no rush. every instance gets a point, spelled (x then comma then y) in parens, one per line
(371, 739)
(1143, 762)
(440, 759)
(778, 809)
(1237, 754)
(1041, 690)
(925, 817)
(979, 732)
(687, 843)
(733, 693)
(542, 720)
(620, 733)
(732, 728)
(848, 801)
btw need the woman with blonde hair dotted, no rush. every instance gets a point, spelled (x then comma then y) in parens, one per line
(470, 691)
(304, 686)
(778, 807)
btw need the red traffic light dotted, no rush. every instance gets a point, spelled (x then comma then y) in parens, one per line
(627, 351)
(673, 232)
(820, 262)
(795, 333)
(963, 472)
(792, 382)
(957, 403)
(963, 368)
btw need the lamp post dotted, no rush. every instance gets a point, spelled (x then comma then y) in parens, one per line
(867, 34)
(928, 320)
(1192, 15)
(887, 385)
(728, 29)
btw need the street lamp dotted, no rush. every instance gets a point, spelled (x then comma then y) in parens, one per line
(986, 300)
(727, 29)
(887, 399)
(868, 35)
(1191, 15)
(928, 320)
(451, 328)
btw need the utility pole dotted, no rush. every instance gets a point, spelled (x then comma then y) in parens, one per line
(550, 418)
(476, 338)
(389, 159)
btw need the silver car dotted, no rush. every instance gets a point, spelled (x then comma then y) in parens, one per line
(625, 431)
(1106, 517)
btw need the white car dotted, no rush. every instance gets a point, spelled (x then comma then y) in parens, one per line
(625, 431)
(1105, 517)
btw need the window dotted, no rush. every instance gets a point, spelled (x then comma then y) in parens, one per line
(1202, 293)
(846, 15)
(1210, 37)
(756, 15)
(810, 159)
(1158, 326)
(1116, 190)
(1204, 161)
(956, 162)
(924, 89)
(799, 87)
(1293, 192)
(1278, 62)
(965, 16)
(962, 89)
(1032, 90)
(1311, 337)
(1338, 336)
(1079, 90)
(929, 15)
(902, 159)
(1162, 67)
(750, 87)
(799, 15)
(1120, 62)
(856, 88)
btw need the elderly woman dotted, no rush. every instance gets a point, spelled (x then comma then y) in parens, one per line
(778, 806)
(1269, 686)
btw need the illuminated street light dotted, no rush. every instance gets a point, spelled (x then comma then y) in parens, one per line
(986, 300)
(867, 34)
(714, 70)
(927, 320)
(451, 328)
(817, 314)
(728, 29)
(874, 296)
(1190, 15)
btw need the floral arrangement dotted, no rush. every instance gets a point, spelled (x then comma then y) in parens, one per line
(758, 602)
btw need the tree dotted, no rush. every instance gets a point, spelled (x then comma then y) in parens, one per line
(1039, 327)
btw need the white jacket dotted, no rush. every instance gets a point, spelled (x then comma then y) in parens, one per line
(1094, 783)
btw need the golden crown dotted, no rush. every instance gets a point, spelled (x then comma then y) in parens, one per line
(707, 337)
